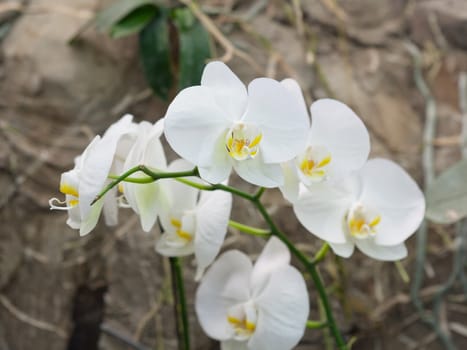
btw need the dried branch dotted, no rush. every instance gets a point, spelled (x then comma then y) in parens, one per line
(230, 49)
(23, 317)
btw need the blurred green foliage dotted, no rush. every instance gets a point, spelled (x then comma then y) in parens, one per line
(447, 195)
(173, 45)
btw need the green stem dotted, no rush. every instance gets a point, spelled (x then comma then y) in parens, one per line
(180, 304)
(249, 229)
(321, 253)
(259, 193)
(154, 175)
(310, 267)
(316, 324)
(217, 187)
(135, 180)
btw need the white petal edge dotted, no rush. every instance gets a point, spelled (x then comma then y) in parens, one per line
(229, 92)
(234, 345)
(383, 253)
(90, 221)
(344, 250)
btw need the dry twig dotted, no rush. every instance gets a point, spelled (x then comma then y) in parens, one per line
(23, 317)
(230, 49)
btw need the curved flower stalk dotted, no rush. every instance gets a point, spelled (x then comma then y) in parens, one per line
(147, 200)
(376, 209)
(90, 174)
(219, 125)
(338, 144)
(193, 222)
(260, 307)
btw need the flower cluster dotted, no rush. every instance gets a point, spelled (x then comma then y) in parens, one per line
(264, 132)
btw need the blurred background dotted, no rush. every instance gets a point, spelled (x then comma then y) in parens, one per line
(70, 68)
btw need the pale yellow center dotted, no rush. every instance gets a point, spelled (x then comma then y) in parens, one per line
(242, 326)
(314, 162)
(361, 223)
(242, 318)
(242, 141)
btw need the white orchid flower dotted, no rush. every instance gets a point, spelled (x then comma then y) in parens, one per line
(260, 307)
(338, 144)
(88, 178)
(376, 209)
(146, 200)
(218, 125)
(193, 223)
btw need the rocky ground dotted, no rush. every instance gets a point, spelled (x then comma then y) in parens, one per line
(59, 291)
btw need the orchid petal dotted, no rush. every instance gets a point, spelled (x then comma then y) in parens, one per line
(212, 219)
(294, 89)
(192, 123)
(283, 309)
(274, 255)
(220, 165)
(166, 246)
(224, 285)
(98, 161)
(229, 92)
(275, 111)
(396, 197)
(74, 218)
(90, 222)
(111, 208)
(258, 173)
(344, 250)
(336, 127)
(146, 199)
(291, 188)
(150, 200)
(383, 253)
(184, 197)
(234, 345)
(322, 211)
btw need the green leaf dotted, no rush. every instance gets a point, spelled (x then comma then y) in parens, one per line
(110, 16)
(447, 196)
(194, 47)
(154, 51)
(133, 22)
